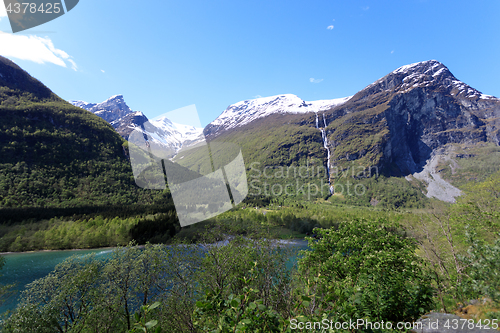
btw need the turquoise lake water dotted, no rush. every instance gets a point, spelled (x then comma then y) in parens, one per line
(24, 268)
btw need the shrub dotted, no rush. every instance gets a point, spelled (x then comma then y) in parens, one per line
(367, 270)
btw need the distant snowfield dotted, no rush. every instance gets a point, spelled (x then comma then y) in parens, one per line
(244, 112)
(176, 134)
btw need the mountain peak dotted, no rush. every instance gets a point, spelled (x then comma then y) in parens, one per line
(110, 110)
(82, 104)
(424, 74)
(163, 131)
(115, 98)
(244, 112)
(262, 100)
(163, 120)
(114, 102)
(427, 66)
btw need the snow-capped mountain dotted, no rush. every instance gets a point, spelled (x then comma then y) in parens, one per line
(244, 112)
(110, 110)
(185, 134)
(163, 132)
(396, 125)
(424, 74)
(83, 104)
(126, 124)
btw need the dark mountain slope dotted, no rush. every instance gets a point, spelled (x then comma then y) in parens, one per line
(55, 154)
(403, 117)
(17, 87)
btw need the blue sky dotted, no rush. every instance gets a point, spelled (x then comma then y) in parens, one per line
(164, 55)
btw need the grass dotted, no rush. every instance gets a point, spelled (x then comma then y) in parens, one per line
(470, 163)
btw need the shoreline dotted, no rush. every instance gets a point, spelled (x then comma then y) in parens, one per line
(289, 240)
(35, 251)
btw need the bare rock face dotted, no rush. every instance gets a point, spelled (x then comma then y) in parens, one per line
(125, 125)
(421, 107)
(422, 120)
(111, 109)
(116, 112)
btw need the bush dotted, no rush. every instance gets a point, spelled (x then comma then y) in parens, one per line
(367, 270)
(483, 268)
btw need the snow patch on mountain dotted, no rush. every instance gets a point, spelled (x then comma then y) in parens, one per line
(175, 135)
(426, 74)
(83, 104)
(161, 131)
(245, 112)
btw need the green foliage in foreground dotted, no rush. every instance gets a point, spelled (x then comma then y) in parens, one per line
(240, 285)
(483, 265)
(141, 324)
(368, 270)
(446, 236)
(357, 268)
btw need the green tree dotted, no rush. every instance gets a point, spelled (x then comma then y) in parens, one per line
(89, 294)
(245, 312)
(59, 301)
(483, 267)
(366, 270)
(142, 324)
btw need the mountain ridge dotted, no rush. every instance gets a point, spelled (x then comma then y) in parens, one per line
(395, 124)
(55, 154)
(244, 112)
(166, 134)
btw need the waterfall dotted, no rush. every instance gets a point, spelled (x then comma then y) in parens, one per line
(325, 145)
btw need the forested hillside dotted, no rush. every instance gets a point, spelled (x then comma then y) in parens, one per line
(58, 155)
(65, 180)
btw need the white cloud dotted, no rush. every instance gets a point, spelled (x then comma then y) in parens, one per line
(313, 80)
(102, 70)
(33, 48)
(392, 51)
(73, 64)
(330, 27)
(257, 96)
(365, 8)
